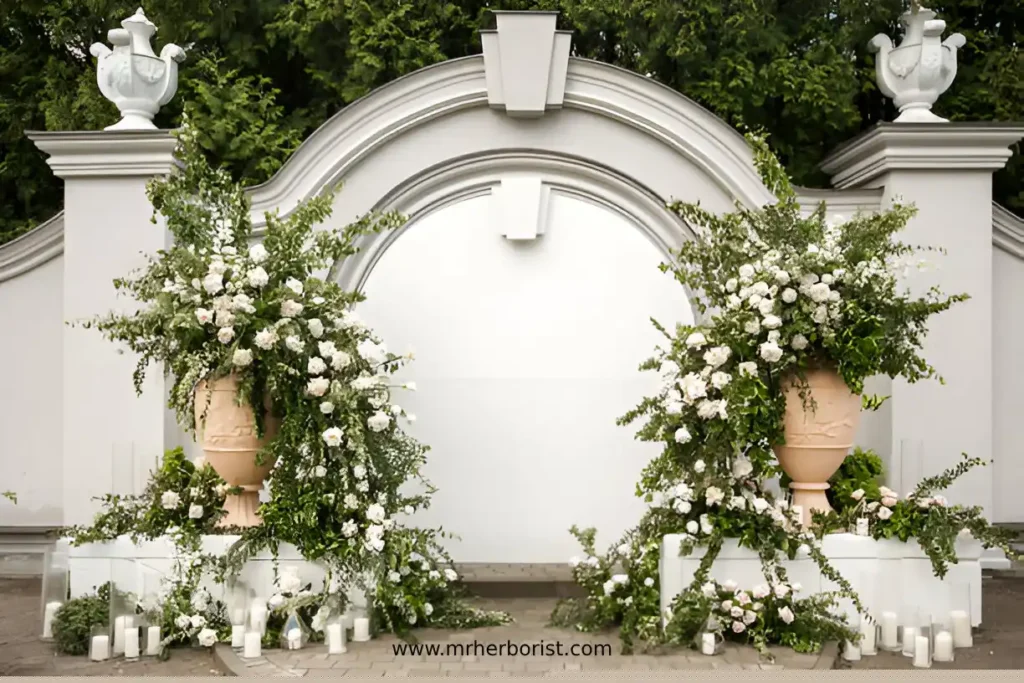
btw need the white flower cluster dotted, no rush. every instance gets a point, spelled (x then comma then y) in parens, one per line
(739, 610)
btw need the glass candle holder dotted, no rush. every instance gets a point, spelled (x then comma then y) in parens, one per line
(961, 616)
(294, 633)
(334, 635)
(942, 640)
(55, 587)
(909, 632)
(252, 647)
(124, 602)
(152, 635)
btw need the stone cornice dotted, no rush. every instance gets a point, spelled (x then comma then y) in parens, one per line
(925, 146)
(105, 154)
(36, 247)
(840, 201)
(1007, 231)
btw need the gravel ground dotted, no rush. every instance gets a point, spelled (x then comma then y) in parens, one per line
(998, 644)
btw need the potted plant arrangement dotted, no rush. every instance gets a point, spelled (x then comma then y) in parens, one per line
(799, 310)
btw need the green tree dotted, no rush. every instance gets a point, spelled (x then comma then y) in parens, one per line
(262, 74)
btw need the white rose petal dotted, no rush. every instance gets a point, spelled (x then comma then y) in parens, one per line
(195, 512)
(316, 366)
(257, 277)
(316, 328)
(318, 386)
(242, 357)
(332, 436)
(294, 285)
(290, 308)
(682, 435)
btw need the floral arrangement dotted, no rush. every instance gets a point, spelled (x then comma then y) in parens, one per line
(781, 293)
(182, 496)
(218, 303)
(187, 612)
(923, 514)
(762, 615)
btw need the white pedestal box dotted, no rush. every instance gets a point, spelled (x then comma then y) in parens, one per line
(888, 575)
(94, 564)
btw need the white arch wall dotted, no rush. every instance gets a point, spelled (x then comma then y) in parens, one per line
(527, 352)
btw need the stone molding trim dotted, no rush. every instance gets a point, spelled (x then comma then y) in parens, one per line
(1007, 231)
(464, 178)
(324, 159)
(107, 154)
(29, 251)
(525, 62)
(920, 146)
(845, 202)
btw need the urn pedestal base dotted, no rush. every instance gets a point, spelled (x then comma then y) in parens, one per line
(241, 508)
(810, 498)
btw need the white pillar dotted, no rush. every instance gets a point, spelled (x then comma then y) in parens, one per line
(107, 228)
(945, 169)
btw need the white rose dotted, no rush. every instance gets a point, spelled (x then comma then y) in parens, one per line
(705, 524)
(316, 328)
(290, 308)
(195, 512)
(771, 322)
(359, 471)
(198, 621)
(786, 615)
(760, 591)
(207, 637)
(316, 366)
(225, 335)
(889, 501)
(204, 315)
(766, 306)
(738, 503)
(295, 344)
(379, 421)
(649, 581)
(340, 360)
(294, 285)
(682, 435)
(699, 466)
(858, 494)
(770, 351)
(696, 340)
(692, 526)
(720, 379)
(257, 277)
(819, 292)
(213, 283)
(266, 338)
(318, 386)
(884, 513)
(717, 356)
(450, 574)
(408, 510)
(682, 507)
(372, 352)
(257, 253)
(710, 409)
(326, 348)
(674, 407)
(182, 621)
(774, 336)
(170, 500)
(709, 590)
(752, 326)
(242, 357)
(781, 590)
(319, 471)
(760, 504)
(332, 436)
(376, 513)
(275, 601)
(746, 271)
(799, 342)
(714, 495)
(789, 295)
(748, 369)
(326, 407)
(731, 284)
(820, 314)
(827, 278)
(693, 387)
(782, 277)
(349, 529)
(755, 300)
(736, 612)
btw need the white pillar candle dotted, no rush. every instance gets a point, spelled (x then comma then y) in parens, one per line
(707, 643)
(252, 645)
(119, 624)
(131, 643)
(909, 644)
(335, 639)
(851, 652)
(862, 526)
(237, 635)
(962, 636)
(294, 639)
(49, 612)
(361, 630)
(943, 646)
(890, 633)
(153, 640)
(867, 637)
(100, 648)
(921, 660)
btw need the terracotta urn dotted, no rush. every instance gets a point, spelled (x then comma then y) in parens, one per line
(818, 435)
(228, 439)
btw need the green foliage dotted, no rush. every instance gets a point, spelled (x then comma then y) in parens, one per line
(861, 471)
(73, 622)
(179, 496)
(284, 66)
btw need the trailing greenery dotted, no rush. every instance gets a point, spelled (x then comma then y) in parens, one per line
(266, 73)
(73, 622)
(923, 515)
(781, 293)
(219, 303)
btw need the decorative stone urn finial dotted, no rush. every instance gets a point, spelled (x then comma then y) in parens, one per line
(132, 76)
(914, 74)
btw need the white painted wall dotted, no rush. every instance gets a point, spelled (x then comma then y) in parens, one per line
(30, 395)
(1008, 403)
(526, 353)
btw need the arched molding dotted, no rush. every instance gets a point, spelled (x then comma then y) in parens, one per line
(467, 177)
(1007, 231)
(33, 249)
(442, 90)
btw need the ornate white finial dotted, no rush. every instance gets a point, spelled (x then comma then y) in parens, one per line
(132, 76)
(914, 74)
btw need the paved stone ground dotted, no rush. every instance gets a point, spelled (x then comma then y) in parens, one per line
(378, 657)
(998, 644)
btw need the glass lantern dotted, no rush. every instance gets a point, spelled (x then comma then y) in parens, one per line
(152, 633)
(294, 633)
(124, 601)
(961, 616)
(709, 641)
(942, 640)
(55, 586)
(99, 643)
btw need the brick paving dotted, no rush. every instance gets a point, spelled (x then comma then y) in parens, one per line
(377, 658)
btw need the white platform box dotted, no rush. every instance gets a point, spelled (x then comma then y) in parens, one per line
(888, 575)
(131, 566)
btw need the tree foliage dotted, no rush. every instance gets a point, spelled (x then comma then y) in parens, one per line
(264, 73)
